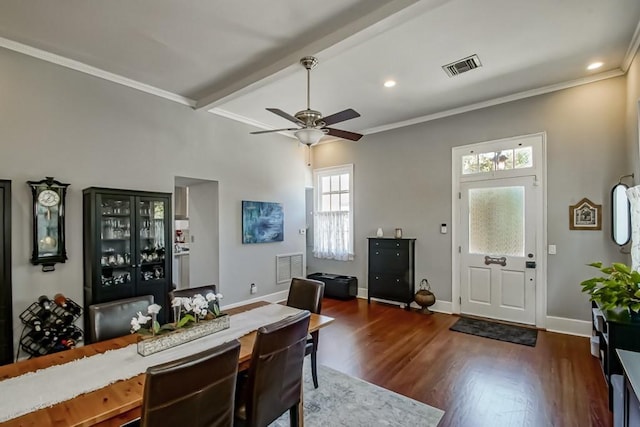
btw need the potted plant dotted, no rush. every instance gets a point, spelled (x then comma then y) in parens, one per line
(620, 287)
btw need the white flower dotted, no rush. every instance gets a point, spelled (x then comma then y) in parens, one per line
(176, 302)
(154, 309)
(142, 319)
(203, 312)
(186, 303)
(135, 326)
(219, 296)
(211, 296)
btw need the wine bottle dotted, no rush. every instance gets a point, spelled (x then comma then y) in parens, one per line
(60, 300)
(45, 305)
(37, 333)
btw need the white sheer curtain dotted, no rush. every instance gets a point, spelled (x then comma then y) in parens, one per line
(331, 236)
(633, 194)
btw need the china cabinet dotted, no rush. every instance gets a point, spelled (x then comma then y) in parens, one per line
(127, 246)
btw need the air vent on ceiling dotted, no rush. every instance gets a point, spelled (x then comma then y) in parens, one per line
(462, 66)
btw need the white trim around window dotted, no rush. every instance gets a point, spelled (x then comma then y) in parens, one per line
(333, 213)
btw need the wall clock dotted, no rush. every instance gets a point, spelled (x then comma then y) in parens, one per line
(48, 222)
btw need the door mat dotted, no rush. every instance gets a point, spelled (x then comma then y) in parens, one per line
(496, 331)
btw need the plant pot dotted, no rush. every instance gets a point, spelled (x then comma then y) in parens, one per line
(152, 344)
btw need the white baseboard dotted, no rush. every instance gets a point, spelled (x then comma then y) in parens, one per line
(275, 297)
(581, 328)
(439, 306)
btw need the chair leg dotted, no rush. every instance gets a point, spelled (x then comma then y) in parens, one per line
(314, 368)
(294, 416)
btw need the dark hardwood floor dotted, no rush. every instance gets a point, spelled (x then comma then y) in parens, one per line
(476, 381)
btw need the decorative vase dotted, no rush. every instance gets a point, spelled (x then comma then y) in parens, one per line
(424, 297)
(379, 233)
(152, 344)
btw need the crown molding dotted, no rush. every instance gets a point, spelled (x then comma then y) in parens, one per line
(496, 101)
(242, 119)
(632, 50)
(93, 71)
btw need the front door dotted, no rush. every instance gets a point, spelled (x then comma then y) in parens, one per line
(497, 250)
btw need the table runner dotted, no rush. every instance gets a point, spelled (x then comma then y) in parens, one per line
(46, 387)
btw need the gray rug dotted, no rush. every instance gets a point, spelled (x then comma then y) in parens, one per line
(342, 400)
(496, 331)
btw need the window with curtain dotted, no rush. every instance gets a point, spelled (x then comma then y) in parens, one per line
(333, 208)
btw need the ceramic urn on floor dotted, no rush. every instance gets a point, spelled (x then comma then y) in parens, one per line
(424, 297)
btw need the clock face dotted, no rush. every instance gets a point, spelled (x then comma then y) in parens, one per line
(48, 198)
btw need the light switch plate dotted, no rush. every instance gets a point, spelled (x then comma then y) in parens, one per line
(552, 249)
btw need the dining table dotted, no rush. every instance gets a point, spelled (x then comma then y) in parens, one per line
(120, 402)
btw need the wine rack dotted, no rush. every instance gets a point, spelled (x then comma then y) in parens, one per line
(49, 326)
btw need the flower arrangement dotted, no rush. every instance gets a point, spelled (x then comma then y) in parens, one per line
(186, 310)
(196, 308)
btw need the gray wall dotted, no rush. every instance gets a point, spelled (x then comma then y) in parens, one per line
(89, 132)
(403, 179)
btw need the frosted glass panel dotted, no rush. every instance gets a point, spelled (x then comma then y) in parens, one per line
(496, 221)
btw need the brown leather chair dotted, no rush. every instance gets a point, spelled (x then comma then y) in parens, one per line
(190, 292)
(274, 381)
(195, 391)
(307, 294)
(113, 319)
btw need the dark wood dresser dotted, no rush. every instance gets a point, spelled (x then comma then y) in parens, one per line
(391, 269)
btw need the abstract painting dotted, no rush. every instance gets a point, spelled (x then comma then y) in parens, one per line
(262, 222)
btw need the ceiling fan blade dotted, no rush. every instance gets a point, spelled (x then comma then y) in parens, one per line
(345, 134)
(285, 115)
(341, 116)
(272, 130)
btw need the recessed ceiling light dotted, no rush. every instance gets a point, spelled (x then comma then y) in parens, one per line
(390, 83)
(594, 65)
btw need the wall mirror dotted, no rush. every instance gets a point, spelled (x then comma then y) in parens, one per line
(620, 215)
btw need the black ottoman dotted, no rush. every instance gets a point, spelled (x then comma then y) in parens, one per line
(336, 286)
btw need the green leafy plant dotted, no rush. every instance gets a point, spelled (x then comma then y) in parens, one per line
(621, 287)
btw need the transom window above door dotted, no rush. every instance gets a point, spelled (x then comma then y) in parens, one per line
(507, 159)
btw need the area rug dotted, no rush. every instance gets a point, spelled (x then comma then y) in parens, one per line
(342, 400)
(496, 331)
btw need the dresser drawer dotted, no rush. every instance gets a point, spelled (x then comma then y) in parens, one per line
(390, 286)
(388, 244)
(388, 260)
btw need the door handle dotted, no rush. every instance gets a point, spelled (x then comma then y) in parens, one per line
(530, 264)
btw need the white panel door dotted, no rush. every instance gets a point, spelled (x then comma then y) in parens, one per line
(498, 239)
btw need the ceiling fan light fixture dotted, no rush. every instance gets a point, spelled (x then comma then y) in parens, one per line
(309, 136)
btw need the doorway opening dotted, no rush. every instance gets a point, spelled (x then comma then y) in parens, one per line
(196, 251)
(499, 229)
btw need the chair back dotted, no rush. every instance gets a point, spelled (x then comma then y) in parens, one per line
(194, 391)
(113, 319)
(306, 294)
(190, 292)
(274, 382)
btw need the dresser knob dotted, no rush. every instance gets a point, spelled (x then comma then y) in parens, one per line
(398, 254)
(377, 253)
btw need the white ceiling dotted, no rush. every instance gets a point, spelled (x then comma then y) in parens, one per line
(239, 57)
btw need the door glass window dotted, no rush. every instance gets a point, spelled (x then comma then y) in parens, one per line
(496, 221)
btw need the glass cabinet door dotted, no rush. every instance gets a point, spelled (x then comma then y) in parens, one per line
(115, 251)
(152, 234)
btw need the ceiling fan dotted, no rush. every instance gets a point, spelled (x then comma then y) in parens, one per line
(312, 125)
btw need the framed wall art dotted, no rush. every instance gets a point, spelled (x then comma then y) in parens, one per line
(585, 215)
(262, 222)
